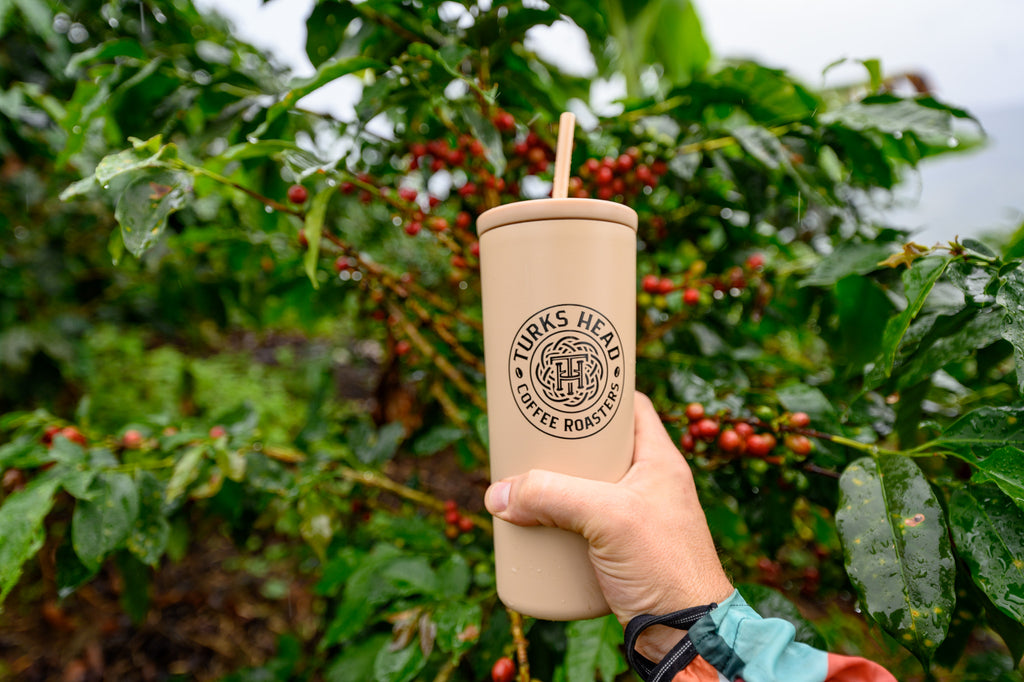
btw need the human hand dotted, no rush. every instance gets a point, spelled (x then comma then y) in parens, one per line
(649, 540)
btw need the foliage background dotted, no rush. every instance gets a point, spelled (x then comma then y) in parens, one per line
(306, 377)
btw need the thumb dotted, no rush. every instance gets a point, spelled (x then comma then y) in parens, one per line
(547, 498)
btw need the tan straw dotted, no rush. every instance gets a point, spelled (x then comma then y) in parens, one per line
(563, 155)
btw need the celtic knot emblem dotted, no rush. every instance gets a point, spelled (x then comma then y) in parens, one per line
(569, 371)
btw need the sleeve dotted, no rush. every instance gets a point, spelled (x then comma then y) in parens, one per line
(732, 643)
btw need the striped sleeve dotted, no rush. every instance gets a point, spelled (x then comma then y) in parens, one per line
(734, 643)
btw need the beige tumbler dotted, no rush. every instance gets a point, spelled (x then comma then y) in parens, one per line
(559, 306)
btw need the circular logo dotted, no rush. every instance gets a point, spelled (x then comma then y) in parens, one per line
(566, 370)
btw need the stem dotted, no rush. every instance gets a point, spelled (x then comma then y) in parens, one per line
(276, 205)
(519, 638)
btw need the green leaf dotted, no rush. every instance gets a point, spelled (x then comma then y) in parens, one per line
(453, 577)
(488, 135)
(146, 203)
(145, 154)
(328, 71)
(71, 572)
(356, 660)
(313, 227)
(988, 529)
(398, 666)
(437, 439)
(102, 524)
(135, 595)
(318, 525)
(918, 282)
(594, 647)
(771, 603)
(185, 471)
(21, 527)
(1011, 299)
(1005, 468)
(980, 433)
(267, 148)
(151, 530)
(326, 28)
(862, 309)
(897, 550)
(850, 258)
(980, 331)
(458, 625)
(124, 47)
(893, 116)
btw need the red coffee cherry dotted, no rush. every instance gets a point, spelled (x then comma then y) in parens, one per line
(800, 445)
(504, 670)
(708, 428)
(297, 194)
(730, 441)
(650, 283)
(758, 445)
(799, 419)
(691, 296)
(218, 431)
(694, 411)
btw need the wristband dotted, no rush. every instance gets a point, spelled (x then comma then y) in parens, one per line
(678, 656)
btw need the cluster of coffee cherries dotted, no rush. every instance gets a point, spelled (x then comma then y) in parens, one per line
(619, 177)
(742, 437)
(455, 522)
(696, 286)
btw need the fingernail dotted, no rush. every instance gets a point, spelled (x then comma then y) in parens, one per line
(497, 497)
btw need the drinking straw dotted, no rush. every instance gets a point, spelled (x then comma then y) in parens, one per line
(563, 155)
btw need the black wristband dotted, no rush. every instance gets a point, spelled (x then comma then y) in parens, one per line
(678, 657)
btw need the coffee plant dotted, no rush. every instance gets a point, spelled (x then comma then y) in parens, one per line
(244, 337)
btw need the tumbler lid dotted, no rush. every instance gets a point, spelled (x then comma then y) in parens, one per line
(556, 209)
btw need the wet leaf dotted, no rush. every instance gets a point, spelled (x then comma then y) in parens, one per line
(850, 258)
(103, 523)
(21, 527)
(980, 433)
(897, 550)
(918, 282)
(1005, 468)
(1011, 299)
(313, 228)
(185, 471)
(146, 203)
(151, 530)
(458, 625)
(989, 532)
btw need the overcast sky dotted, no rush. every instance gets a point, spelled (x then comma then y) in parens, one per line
(972, 54)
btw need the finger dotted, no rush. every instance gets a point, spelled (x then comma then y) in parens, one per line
(547, 498)
(651, 440)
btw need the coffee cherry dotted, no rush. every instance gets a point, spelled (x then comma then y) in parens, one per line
(408, 193)
(297, 194)
(624, 163)
(474, 249)
(437, 223)
(465, 524)
(691, 296)
(341, 264)
(730, 441)
(218, 431)
(604, 175)
(755, 261)
(644, 174)
(476, 148)
(707, 428)
(402, 347)
(504, 670)
(665, 286)
(687, 442)
(462, 220)
(800, 445)
(412, 229)
(744, 430)
(132, 439)
(605, 193)
(73, 435)
(650, 283)
(758, 445)
(49, 434)
(694, 411)
(450, 505)
(799, 419)
(452, 516)
(504, 122)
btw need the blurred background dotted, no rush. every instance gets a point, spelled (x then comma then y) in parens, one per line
(971, 55)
